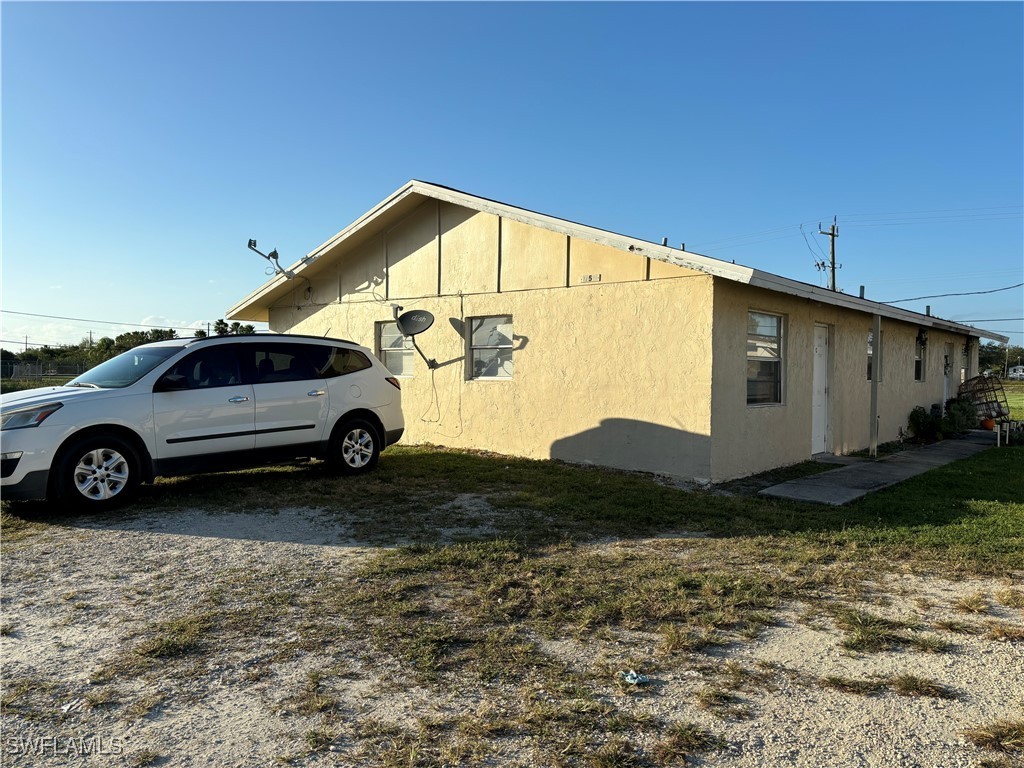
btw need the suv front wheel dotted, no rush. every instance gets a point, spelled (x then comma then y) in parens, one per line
(355, 447)
(97, 472)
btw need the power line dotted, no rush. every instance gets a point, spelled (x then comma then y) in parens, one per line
(773, 231)
(939, 210)
(993, 320)
(953, 216)
(939, 277)
(34, 343)
(949, 215)
(936, 216)
(808, 244)
(943, 295)
(930, 220)
(105, 322)
(788, 229)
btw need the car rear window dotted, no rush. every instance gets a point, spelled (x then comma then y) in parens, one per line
(336, 361)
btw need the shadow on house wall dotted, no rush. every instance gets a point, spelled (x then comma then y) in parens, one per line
(639, 445)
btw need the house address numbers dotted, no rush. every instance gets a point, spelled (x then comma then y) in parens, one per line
(591, 278)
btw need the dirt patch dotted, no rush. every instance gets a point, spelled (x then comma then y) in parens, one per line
(135, 640)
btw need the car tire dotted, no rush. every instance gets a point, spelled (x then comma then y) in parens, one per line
(355, 447)
(97, 472)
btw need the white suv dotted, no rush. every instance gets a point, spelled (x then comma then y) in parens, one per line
(197, 405)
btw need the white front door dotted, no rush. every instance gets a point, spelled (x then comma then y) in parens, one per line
(819, 397)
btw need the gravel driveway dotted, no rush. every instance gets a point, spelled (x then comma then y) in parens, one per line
(83, 597)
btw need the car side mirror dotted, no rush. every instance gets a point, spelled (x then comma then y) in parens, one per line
(172, 382)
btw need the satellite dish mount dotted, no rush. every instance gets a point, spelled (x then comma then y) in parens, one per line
(272, 258)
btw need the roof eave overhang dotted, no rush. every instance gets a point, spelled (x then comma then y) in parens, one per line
(256, 306)
(780, 284)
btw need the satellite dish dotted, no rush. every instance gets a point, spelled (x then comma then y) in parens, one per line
(414, 321)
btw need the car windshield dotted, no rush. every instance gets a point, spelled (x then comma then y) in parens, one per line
(125, 369)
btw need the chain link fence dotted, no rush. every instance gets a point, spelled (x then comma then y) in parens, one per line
(39, 370)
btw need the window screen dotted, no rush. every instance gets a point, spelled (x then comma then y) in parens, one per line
(394, 349)
(490, 347)
(764, 358)
(875, 360)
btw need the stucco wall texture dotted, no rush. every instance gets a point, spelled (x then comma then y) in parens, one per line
(753, 439)
(618, 360)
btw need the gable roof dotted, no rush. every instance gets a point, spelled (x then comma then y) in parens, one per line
(256, 306)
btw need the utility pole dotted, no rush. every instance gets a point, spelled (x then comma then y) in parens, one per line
(833, 233)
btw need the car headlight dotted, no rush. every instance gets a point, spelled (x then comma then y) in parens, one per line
(28, 417)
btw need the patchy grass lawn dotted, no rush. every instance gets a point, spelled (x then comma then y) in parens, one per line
(1015, 398)
(489, 565)
(17, 385)
(962, 518)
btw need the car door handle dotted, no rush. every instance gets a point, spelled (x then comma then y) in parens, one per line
(315, 393)
(238, 399)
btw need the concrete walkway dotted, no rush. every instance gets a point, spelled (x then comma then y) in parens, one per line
(843, 485)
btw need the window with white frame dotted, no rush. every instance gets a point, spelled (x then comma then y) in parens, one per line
(871, 353)
(490, 347)
(875, 361)
(919, 359)
(394, 349)
(764, 359)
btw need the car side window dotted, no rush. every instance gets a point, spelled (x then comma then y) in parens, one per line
(336, 361)
(270, 363)
(209, 367)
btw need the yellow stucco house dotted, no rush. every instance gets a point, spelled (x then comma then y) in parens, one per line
(558, 340)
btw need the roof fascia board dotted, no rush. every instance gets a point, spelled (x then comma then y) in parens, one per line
(695, 261)
(269, 289)
(357, 225)
(781, 284)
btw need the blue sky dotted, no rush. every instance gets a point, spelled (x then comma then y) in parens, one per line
(144, 143)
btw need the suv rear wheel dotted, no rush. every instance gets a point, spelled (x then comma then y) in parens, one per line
(97, 472)
(355, 447)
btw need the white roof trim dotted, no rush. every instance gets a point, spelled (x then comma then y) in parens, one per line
(694, 261)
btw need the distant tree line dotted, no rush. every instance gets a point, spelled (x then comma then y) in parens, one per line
(998, 357)
(991, 356)
(87, 354)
